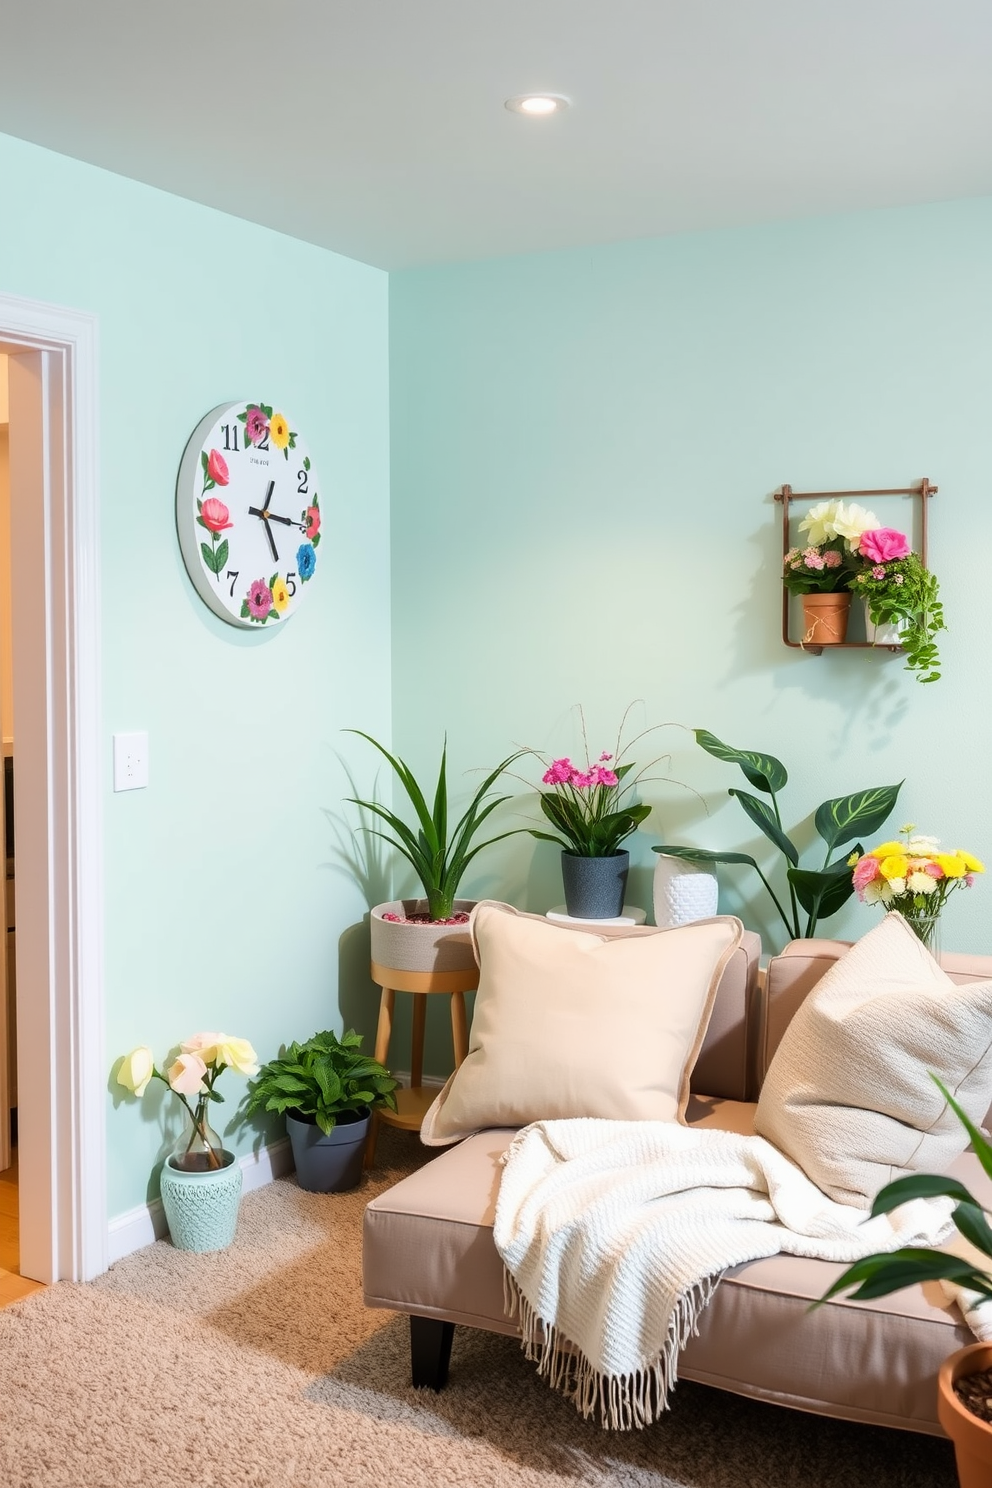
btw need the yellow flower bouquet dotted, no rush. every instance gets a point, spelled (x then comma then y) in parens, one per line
(914, 877)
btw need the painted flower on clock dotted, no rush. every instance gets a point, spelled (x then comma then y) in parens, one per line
(256, 426)
(280, 594)
(279, 431)
(312, 518)
(214, 515)
(215, 471)
(306, 561)
(259, 601)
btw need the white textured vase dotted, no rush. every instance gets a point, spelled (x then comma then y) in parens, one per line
(882, 635)
(683, 892)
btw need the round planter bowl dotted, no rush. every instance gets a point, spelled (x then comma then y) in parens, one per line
(329, 1162)
(421, 947)
(971, 1436)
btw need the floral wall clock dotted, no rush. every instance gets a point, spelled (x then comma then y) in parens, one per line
(248, 514)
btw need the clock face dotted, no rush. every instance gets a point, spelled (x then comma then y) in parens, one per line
(248, 514)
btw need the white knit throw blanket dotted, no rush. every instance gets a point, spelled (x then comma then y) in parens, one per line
(614, 1234)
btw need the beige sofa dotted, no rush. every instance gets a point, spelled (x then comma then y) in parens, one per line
(429, 1252)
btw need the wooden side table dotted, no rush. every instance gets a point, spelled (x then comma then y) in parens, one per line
(413, 1103)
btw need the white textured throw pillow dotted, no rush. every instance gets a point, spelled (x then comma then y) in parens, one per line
(848, 1094)
(575, 1022)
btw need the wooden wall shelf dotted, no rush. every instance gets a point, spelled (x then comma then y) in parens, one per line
(923, 491)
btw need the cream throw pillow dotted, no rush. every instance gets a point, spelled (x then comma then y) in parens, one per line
(575, 1022)
(848, 1094)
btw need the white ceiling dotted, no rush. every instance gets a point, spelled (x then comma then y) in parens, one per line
(377, 127)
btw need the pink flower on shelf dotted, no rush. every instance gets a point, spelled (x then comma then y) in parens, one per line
(604, 777)
(832, 558)
(256, 426)
(934, 870)
(813, 559)
(581, 780)
(217, 470)
(878, 572)
(865, 870)
(215, 515)
(259, 599)
(313, 521)
(604, 756)
(560, 772)
(882, 544)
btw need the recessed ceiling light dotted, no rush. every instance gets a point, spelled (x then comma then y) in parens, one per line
(537, 104)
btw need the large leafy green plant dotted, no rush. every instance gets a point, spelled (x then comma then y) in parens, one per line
(821, 892)
(877, 1275)
(321, 1079)
(439, 854)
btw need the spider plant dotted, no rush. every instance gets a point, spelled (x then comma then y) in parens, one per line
(439, 853)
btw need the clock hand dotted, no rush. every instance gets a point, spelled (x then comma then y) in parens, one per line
(287, 521)
(254, 511)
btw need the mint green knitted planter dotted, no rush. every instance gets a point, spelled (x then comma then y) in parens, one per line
(202, 1208)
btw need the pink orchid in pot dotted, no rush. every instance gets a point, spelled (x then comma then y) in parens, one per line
(592, 811)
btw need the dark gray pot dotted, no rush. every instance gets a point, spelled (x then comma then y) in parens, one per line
(333, 1162)
(594, 887)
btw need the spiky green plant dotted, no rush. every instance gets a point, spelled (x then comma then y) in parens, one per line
(877, 1275)
(439, 856)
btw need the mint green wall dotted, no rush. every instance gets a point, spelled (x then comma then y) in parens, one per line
(585, 446)
(228, 904)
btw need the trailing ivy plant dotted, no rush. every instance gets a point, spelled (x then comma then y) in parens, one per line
(820, 893)
(321, 1079)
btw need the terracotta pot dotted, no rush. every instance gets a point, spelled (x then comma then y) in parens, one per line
(424, 947)
(825, 618)
(971, 1436)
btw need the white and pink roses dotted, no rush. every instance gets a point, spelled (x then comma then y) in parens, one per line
(192, 1076)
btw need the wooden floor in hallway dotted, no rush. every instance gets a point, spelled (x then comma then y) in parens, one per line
(12, 1286)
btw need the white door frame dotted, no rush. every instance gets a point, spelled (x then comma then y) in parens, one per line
(55, 550)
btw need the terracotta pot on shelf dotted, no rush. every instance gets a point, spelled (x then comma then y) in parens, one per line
(972, 1437)
(825, 618)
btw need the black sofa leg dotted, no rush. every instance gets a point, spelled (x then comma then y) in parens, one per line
(430, 1351)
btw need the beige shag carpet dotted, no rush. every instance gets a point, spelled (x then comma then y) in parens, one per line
(259, 1367)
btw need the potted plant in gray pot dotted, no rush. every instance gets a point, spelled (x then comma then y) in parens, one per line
(429, 934)
(327, 1089)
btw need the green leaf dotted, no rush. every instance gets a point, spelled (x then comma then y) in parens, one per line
(704, 855)
(981, 1147)
(971, 1222)
(306, 462)
(822, 894)
(859, 815)
(764, 771)
(207, 554)
(764, 817)
(877, 1275)
(204, 460)
(222, 553)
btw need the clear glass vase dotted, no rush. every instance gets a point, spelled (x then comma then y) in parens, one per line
(199, 1148)
(927, 928)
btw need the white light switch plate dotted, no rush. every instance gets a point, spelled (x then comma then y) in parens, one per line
(130, 761)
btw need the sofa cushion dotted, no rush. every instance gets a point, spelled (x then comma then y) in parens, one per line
(580, 1022)
(848, 1096)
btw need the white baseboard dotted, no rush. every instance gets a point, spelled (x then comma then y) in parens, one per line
(145, 1224)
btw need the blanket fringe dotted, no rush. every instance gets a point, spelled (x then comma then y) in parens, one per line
(621, 1402)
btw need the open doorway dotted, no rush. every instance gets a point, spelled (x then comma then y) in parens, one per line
(54, 641)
